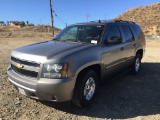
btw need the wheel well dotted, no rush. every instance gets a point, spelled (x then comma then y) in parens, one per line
(96, 68)
(140, 52)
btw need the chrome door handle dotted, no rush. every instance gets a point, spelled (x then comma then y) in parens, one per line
(134, 45)
(122, 49)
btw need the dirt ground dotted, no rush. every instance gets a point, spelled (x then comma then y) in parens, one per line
(129, 97)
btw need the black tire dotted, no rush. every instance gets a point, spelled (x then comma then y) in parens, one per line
(137, 64)
(79, 99)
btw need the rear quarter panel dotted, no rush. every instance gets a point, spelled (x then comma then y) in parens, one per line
(139, 38)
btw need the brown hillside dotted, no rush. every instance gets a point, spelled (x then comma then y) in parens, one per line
(28, 28)
(27, 31)
(148, 17)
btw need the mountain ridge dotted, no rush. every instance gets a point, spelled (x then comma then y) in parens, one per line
(148, 17)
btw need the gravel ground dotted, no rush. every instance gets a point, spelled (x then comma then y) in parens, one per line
(129, 97)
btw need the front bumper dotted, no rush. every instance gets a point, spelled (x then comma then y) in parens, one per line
(59, 90)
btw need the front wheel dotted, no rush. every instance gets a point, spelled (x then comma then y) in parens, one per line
(137, 64)
(85, 89)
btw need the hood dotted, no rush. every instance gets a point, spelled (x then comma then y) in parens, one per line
(40, 52)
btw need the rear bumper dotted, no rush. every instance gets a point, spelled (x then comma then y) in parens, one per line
(59, 90)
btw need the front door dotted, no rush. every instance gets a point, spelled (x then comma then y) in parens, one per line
(113, 56)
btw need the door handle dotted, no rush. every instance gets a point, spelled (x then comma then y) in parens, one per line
(122, 49)
(134, 45)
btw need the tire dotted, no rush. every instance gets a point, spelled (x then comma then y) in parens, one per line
(85, 89)
(137, 64)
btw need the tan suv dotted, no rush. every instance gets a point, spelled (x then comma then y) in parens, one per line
(76, 61)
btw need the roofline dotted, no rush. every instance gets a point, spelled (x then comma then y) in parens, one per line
(103, 22)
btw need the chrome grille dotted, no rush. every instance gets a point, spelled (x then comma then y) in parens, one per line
(24, 72)
(25, 62)
(30, 69)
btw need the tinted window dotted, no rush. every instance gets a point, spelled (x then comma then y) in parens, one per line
(138, 32)
(113, 31)
(127, 33)
(136, 29)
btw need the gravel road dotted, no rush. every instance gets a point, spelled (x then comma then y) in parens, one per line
(128, 97)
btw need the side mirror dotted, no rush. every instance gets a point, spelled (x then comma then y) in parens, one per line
(113, 40)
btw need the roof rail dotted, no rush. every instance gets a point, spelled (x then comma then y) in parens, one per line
(124, 21)
(100, 21)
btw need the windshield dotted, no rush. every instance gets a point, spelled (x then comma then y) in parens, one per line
(81, 33)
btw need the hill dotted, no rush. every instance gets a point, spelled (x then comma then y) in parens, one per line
(27, 31)
(28, 28)
(148, 17)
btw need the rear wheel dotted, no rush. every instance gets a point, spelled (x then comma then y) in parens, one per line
(85, 89)
(137, 64)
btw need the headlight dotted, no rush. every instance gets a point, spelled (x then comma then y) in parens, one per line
(54, 70)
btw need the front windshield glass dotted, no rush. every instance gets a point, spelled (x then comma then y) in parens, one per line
(81, 33)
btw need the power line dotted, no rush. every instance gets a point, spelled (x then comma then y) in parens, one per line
(59, 17)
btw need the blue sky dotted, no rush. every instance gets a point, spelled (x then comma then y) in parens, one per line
(69, 11)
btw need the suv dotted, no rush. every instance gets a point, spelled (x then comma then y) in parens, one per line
(73, 64)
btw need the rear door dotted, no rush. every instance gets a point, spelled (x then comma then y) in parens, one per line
(130, 44)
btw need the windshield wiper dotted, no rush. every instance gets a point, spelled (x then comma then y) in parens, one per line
(82, 42)
(79, 41)
(73, 41)
(56, 39)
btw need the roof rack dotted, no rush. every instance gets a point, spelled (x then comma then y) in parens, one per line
(100, 21)
(124, 21)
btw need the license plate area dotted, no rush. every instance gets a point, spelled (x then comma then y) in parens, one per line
(22, 91)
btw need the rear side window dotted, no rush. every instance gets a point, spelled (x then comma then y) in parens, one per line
(127, 33)
(138, 32)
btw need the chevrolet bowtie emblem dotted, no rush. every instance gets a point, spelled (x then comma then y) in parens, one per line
(19, 66)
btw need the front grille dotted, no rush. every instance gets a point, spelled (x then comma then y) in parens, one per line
(24, 72)
(25, 62)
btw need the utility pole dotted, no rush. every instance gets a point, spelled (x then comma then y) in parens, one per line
(87, 15)
(52, 21)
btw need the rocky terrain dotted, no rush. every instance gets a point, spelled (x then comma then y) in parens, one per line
(148, 17)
